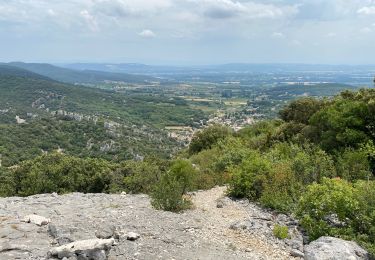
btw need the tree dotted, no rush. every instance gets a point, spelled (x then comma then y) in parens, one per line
(301, 110)
(208, 137)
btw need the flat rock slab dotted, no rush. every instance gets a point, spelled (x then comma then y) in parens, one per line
(91, 248)
(331, 248)
(37, 220)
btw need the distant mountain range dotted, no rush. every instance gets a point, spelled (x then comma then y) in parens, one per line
(230, 67)
(79, 76)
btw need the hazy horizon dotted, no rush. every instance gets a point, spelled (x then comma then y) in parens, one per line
(189, 32)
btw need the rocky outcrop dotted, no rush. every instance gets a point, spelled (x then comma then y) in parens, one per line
(331, 248)
(103, 226)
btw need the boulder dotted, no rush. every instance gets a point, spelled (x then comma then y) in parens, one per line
(86, 249)
(37, 220)
(331, 248)
(106, 231)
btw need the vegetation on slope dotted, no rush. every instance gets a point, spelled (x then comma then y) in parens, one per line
(83, 121)
(317, 162)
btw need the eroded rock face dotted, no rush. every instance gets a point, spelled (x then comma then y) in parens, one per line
(331, 248)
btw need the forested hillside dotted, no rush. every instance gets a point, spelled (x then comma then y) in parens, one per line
(40, 115)
(316, 162)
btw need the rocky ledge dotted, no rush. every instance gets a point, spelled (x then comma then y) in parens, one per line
(102, 226)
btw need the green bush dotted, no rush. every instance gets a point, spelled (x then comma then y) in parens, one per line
(170, 192)
(353, 165)
(139, 177)
(248, 177)
(208, 137)
(7, 182)
(168, 195)
(352, 206)
(281, 189)
(61, 173)
(334, 197)
(281, 232)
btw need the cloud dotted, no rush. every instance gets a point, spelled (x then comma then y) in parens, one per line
(278, 35)
(365, 30)
(147, 34)
(126, 8)
(367, 10)
(90, 20)
(223, 9)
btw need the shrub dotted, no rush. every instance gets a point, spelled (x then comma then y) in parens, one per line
(61, 173)
(281, 232)
(247, 178)
(351, 206)
(353, 165)
(168, 195)
(184, 173)
(7, 180)
(139, 177)
(281, 189)
(334, 198)
(208, 176)
(208, 137)
(170, 192)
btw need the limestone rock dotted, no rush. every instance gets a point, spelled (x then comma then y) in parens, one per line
(37, 220)
(330, 248)
(106, 231)
(87, 249)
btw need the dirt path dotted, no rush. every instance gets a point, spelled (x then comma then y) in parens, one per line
(217, 221)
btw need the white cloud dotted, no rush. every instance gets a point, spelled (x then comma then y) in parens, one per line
(366, 30)
(367, 10)
(147, 34)
(278, 35)
(221, 9)
(90, 20)
(51, 12)
(295, 43)
(331, 35)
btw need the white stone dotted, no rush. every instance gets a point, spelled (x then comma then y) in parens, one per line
(82, 245)
(331, 248)
(35, 219)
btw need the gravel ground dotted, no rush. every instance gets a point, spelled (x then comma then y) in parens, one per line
(216, 228)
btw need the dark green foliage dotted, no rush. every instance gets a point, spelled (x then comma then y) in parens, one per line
(342, 124)
(301, 110)
(208, 137)
(167, 195)
(139, 177)
(170, 192)
(353, 165)
(247, 179)
(7, 182)
(60, 173)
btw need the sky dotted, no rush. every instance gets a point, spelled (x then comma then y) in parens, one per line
(187, 32)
